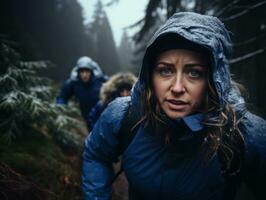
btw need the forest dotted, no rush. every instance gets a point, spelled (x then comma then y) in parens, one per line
(41, 142)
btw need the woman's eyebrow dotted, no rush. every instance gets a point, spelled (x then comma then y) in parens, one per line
(164, 63)
(203, 65)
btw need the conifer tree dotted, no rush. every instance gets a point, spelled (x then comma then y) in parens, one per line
(126, 52)
(25, 100)
(105, 51)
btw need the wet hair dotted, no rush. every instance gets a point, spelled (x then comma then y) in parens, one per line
(222, 138)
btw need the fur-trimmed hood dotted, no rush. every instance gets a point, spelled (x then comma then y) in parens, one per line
(86, 63)
(110, 90)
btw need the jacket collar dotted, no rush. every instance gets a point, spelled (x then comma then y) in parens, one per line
(194, 122)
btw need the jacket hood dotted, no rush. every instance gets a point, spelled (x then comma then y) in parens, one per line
(201, 32)
(110, 89)
(85, 62)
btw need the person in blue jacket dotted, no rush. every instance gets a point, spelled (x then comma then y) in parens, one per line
(119, 85)
(84, 84)
(195, 139)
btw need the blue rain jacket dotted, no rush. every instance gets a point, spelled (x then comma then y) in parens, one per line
(87, 94)
(95, 113)
(159, 172)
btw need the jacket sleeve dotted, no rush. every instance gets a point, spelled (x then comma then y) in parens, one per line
(255, 166)
(100, 151)
(65, 93)
(94, 114)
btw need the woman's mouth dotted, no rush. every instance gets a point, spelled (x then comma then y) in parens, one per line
(177, 104)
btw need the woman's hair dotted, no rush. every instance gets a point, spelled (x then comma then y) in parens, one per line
(117, 83)
(223, 136)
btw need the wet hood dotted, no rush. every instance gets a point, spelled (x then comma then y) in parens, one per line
(208, 32)
(87, 63)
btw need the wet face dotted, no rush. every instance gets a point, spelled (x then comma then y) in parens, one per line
(180, 82)
(85, 75)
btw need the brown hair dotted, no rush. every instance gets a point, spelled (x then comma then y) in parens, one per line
(223, 136)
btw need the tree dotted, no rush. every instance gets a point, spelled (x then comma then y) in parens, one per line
(105, 52)
(46, 30)
(246, 19)
(126, 53)
(25, 100)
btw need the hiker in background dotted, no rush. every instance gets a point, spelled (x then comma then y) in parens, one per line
(119, 85)
(97, 71)
(84, 84)
(194, 137)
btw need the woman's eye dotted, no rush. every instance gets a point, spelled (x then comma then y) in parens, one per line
(165, 71)
(195, 73)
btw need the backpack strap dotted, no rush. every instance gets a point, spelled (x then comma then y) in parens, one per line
(126, 133)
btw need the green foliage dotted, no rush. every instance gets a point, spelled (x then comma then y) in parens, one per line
(33, 133)
(25, 101)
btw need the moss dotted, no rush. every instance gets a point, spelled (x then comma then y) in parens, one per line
(43, 165)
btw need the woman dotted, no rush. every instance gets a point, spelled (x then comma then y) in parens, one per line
(119, 85)
(195, 139)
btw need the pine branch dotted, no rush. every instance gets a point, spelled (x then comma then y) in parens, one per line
(247, 56)
(9, 83)
(235, 16)
(250, 40)
(149, 19)
(35, 64)
(25, 104)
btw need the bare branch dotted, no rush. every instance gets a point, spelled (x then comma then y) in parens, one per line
(111, 2)
(246, 56)
(250, 40)
(244, 11)
(211, 5)
(226, 8)
(138, 23)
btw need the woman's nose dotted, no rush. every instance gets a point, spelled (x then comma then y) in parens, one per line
(178, 85)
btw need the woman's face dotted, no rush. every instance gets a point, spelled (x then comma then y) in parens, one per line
(124, 93)
(180, 82)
